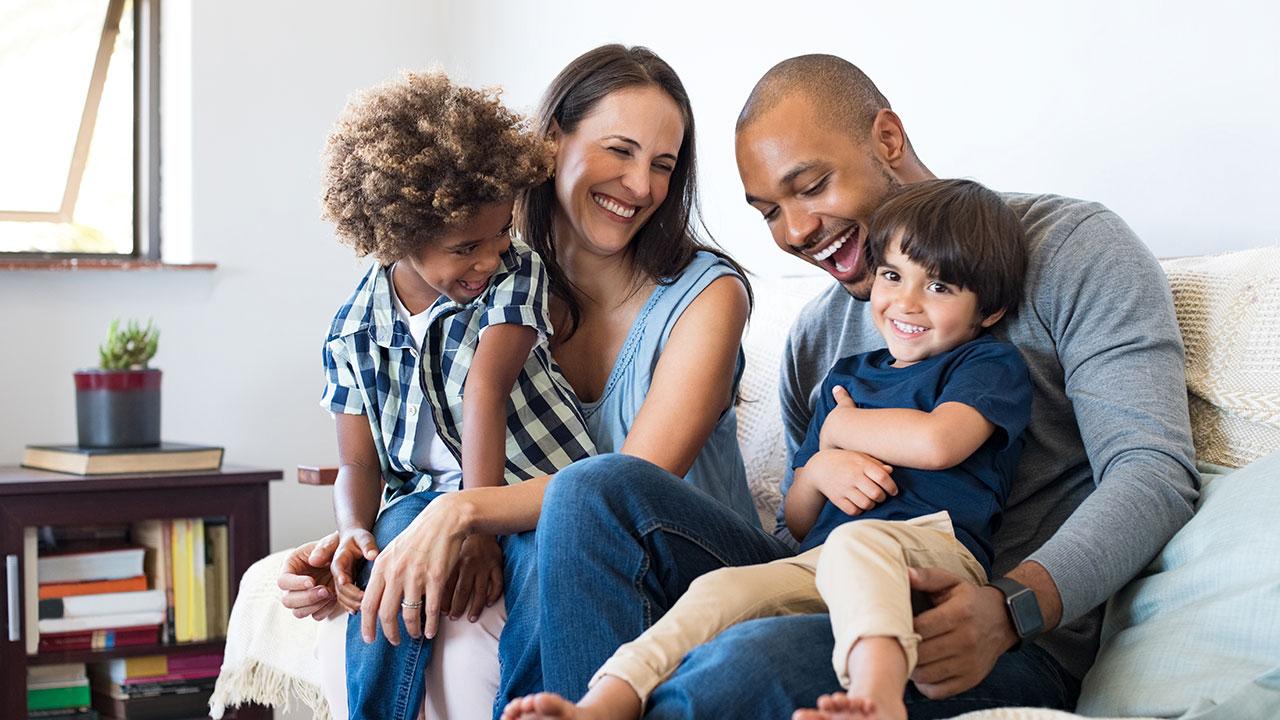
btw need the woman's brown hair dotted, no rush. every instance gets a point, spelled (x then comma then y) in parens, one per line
(666, 244)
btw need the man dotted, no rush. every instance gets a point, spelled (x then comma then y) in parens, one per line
(1106, 479)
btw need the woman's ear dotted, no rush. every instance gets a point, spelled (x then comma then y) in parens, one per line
(554, 132)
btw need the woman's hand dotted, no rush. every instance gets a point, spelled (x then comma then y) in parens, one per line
(852, 481)
(307, 582)
(353, 545)
(477, 581)
(415, 568)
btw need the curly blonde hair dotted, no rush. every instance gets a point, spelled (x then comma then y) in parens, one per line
(412, 158)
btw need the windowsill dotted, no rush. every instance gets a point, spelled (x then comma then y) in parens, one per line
(73, 264)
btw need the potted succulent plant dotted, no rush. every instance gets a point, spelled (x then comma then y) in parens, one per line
(118, 403)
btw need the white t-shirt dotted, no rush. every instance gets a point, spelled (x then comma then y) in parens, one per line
(429, 455)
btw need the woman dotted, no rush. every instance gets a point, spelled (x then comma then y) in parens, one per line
(648, 328)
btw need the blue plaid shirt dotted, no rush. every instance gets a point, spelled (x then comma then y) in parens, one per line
(372, 368)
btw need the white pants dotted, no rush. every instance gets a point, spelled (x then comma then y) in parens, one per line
(462, 677)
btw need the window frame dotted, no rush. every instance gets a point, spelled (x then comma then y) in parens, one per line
(146, 147)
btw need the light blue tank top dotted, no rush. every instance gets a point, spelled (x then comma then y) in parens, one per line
(718, 469)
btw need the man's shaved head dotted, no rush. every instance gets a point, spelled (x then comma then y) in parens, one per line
(837, 90)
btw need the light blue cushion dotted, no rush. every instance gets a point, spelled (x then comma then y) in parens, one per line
(1197, 634)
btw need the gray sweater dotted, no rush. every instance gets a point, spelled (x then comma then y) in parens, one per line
(1108, 471)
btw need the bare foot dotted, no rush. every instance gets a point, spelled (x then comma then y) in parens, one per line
(609, 699)
(540, 706)
(841, 706)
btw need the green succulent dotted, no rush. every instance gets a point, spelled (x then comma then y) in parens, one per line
(130, 348)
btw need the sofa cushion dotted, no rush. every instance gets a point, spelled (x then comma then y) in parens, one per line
(1228, 309)
(1197, 633)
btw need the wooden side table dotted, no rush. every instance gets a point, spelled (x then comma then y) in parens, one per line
(36, 497)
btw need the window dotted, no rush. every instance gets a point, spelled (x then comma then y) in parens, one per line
(79, 134)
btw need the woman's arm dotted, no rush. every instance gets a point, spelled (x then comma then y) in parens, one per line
(692, 384)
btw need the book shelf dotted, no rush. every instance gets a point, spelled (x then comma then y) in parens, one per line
(36, 497)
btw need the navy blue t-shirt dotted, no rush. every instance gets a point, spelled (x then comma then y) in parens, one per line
(985, 374)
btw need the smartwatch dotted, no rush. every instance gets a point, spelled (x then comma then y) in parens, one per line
(1024, 609)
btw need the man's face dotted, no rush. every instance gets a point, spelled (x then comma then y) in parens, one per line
(816, 187)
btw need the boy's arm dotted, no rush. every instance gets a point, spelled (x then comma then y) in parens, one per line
(934, 440)
(852, 481)
(501, 353)
(356, 494)
(804, 504)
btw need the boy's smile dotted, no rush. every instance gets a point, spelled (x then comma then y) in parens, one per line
(457, 264)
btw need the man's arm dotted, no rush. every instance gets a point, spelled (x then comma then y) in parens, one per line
(1106, 303)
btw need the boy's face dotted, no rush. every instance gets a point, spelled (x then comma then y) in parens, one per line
(919, 315)
(460, 262)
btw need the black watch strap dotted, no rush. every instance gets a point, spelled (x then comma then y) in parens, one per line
(1023, 608)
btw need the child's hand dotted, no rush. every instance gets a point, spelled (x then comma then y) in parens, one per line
(477, 580)
(844, 402)
(852, 481)
(353, 545)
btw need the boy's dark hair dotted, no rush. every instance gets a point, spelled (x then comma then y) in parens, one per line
(412, 158)
(962, 233)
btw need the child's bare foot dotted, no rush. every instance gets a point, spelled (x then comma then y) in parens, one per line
(539, 706)
(610, 699)
(841, 706)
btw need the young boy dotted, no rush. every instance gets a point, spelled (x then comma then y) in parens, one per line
(449, 322)
(907, 463)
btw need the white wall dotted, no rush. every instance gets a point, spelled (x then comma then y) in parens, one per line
(1167, 112)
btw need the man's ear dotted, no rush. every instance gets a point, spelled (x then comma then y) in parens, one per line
(993, 318)
(888, 137)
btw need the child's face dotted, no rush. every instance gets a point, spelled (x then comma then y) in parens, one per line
(460, 263)
(919, 315)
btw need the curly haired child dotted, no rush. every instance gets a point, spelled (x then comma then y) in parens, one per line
(449, 322)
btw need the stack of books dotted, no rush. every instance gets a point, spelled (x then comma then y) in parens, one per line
(96, 599)
(58, 692)
(189, 559)
(155, 686)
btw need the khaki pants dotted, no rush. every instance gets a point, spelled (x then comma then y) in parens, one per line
(859, 576)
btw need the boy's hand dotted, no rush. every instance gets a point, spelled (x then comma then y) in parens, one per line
(306, 582)
(844, 401)
(477, 579)
(355, 544)
(852, 481)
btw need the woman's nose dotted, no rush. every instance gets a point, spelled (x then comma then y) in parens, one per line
(636, 181)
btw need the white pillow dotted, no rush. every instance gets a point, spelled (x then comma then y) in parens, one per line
(1198, 632)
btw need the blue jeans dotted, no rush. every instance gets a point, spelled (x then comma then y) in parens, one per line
(385, 680)
(769, 667)
(618, 542)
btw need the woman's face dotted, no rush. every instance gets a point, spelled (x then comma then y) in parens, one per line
(613, 170)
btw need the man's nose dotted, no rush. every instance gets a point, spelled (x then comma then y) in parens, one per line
(800, 228)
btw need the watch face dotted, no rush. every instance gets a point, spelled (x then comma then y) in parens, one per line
(1026, 613)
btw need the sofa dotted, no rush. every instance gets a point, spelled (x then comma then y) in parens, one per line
(1196, 635)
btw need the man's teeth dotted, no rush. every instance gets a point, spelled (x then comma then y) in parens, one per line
(831, 249)
(625, 211)
(908, 329)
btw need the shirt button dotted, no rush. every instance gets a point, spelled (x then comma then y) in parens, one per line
(413, 411)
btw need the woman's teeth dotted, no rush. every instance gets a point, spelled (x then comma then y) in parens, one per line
(624, 211)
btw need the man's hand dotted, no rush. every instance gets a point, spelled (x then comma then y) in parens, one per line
(962, 636)
(477, 581)
(852, 481)
(306, 581)
(352, 545)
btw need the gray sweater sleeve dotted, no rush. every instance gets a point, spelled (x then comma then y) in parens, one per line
(1107, 304)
